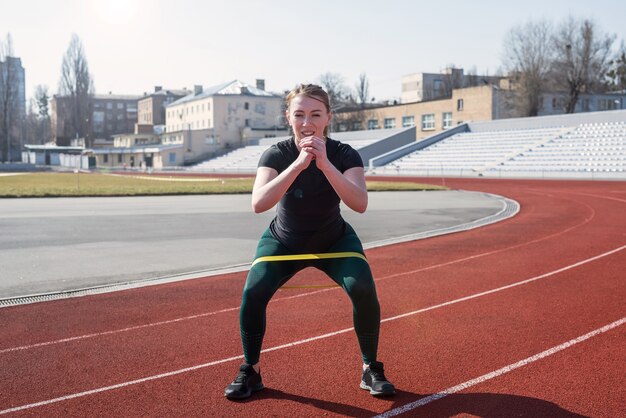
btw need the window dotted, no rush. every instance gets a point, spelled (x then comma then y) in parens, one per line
(585, 105)
(246, 105)
(459, 104)
(356, 126)
(119, 158)
(439, 88)
(171, 158)
(109, 105)
(372, 124)
(428, 122)
(390, 123)
(120, 105)
(558, 103)
(408, 121)
(608, 104)
(105, 158)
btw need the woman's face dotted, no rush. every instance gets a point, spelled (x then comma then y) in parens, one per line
(307, 117)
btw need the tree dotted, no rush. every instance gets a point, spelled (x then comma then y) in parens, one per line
(528, 58)
(42, 117)
(10, 119)
(42, 101)
(362, 90)
(582, 56)
(77, 84)
(334, 85)
(616, 76)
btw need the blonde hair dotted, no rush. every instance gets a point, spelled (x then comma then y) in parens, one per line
(312, 91)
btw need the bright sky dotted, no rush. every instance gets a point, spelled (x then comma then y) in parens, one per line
(133, 45)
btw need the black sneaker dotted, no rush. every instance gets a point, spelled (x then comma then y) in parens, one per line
(246, 382)
(375, 381)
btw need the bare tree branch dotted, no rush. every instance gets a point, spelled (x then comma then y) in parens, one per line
(582, 59)
(77, 84)
(362, 90)
(528, 56)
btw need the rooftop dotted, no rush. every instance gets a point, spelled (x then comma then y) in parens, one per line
(235, 87)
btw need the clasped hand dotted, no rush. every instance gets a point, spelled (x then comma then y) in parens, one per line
(314, 148)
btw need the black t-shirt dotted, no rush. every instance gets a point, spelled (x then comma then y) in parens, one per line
(308, 219)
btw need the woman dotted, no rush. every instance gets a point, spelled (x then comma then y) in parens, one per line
(307, 176)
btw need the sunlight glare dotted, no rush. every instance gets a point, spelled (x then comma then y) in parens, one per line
(116, 12)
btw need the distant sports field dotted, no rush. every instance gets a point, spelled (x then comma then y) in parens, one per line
(141, 184)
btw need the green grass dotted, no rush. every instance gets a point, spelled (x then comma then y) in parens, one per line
(88, 184)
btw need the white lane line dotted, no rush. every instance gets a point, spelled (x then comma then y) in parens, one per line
(296, 343)
(454, 389)
(509, 286)
(460, 260)
(391, 276)
(136, 327)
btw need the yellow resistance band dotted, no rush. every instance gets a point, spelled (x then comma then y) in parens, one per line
(308, 257)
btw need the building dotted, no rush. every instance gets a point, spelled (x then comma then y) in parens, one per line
(202, 124)
(12, 107)
(151, 108)
(223, 117)
(109, 114)
(419, 87)
(470, 104)
(485, 102)
(13, 75)
(554, 103)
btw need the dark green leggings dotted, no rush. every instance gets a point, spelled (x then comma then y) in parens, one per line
(353, 274)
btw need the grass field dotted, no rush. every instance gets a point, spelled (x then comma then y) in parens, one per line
(91, 184)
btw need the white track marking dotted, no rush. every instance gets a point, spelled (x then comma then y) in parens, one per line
(460, 260)
(454, 389)
(509, 286)
(136, 327)
(307, 340)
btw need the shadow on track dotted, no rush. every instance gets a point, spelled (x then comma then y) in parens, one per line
(490, 405)
(487, 405)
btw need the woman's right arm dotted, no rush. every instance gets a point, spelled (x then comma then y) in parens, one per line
(269, 186)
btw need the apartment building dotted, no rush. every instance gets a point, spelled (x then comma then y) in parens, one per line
(109, 114)
(485, 102)
(227, 116)
(202, 124)
(151, 108)
(418, 87)
(14, 79)
(13, 104)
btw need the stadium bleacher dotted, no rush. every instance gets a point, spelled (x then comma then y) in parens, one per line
(588, 145)
(244, 160)
(584, 145)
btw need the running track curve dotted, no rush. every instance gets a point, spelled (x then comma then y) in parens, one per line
(524, 317)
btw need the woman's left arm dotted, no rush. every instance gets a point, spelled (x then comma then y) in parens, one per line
(350, 186)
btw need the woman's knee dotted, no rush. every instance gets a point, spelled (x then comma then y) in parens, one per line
(361, 289)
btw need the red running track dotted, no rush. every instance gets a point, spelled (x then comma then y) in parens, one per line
(524, 317)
